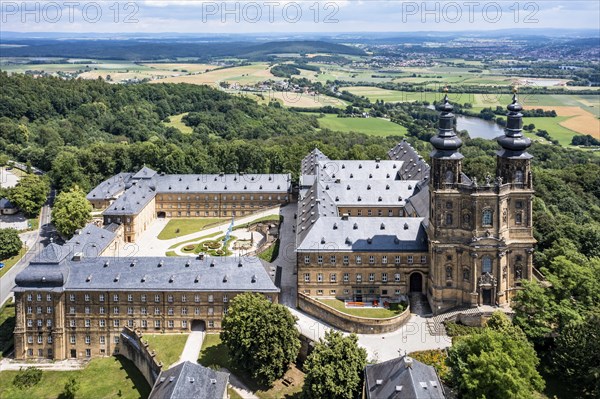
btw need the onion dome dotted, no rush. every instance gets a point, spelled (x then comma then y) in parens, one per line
(446, 142)
(514, 142)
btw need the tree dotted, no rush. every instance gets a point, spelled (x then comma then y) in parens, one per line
(30, 194)
(71, 211)
(27, 378)
(261, 336)
(71, 388)
(576, 355)
(334, 368)
(494, 365)
(10, 243)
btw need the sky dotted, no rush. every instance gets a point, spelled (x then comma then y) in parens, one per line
(280, 16)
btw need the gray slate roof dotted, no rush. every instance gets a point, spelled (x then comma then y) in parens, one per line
(189, 380)
(90, 241)
(310, 162)
(268, 183)
(370, 192)
(145, 173)
(46, 270)
(170, 274)
(110, 188)
(414, 166)
(364, 234)
(397, 381)
(358, 170)
(134, 200)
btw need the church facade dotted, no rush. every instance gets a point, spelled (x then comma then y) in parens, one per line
(380, 230)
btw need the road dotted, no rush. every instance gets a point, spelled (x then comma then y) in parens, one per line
(36, 241)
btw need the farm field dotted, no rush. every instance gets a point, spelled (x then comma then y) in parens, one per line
(290, 99)
(182, 67)
(371, 126)
(248, 74)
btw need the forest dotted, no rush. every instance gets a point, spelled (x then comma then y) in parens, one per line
(83, 131)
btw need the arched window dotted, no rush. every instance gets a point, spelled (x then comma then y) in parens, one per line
(448, 272)
(519, 177)
(486, 219)
(449, 176)
(486, 265)
(466, 274)
(448, 219)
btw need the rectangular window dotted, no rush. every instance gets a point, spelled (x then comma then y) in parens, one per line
(86, 297)
(170, 311)
(319, 277)
(101, 310)
(333, 277)
(384, 277)
(143, 298)
(319, 292)
(86, 310)
(410, 259)
(358, 259)
(71, 310)
(30, 339)
(40, 339)
(29, 323)
(196, 311)
(72, 339)
(197, 298)
(72, 297)
(49, 309)
(371, 277)
(49, 323)
(358, 278)
(157, 310)
(115, 310)
(102, 323)
(307, 259)
(371, 259)
(116, 323)
(130, 323)
(225, 298)
(423, 258)
(102, 340)
(29, 310)
(116, 298)
(129, 297)
(169, 298)
(40, 322)
(130, 310)
(320, 259)
(144, 323)
(38, 310)
(384, 259)
(332, 259)
(184, 298)
(211, 298)
(171, 324)
(157, 298)
(101, 297)
(397, 259)
(29, 297)
(49, 339)
(211, 324)
(184, 311)
(184, 324)
(48, 297)
(397, 277)
(346, 277)
(87, 322)
(346, 260)
(116, 339)
(307, 277)
(88, 339)
(88, 353)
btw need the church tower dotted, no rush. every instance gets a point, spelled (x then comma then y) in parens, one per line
(480, 235)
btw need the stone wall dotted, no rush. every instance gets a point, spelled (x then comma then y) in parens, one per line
(349, 323)
(134, 349)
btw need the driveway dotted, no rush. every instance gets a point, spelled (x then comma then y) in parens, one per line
(192, 347)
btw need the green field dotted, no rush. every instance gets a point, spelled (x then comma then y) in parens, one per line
(7, 326)
(168, 347)
(371, 126)
(177, 123)
(111, 377)
(10, 262)
(182, 227)
(377, 313)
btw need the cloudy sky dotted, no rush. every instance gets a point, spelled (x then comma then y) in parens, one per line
(261, 16)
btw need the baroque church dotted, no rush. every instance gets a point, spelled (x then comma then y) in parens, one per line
(380, 230)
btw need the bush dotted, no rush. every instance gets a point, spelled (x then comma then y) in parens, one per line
(189, 248)
(457, 330)
(27, 378)
(435, 358)
(397, 306)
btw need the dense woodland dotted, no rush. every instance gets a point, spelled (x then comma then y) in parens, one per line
(84, 131)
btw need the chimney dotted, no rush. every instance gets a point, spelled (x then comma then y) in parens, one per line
(408, 361)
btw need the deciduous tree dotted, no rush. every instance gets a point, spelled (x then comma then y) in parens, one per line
(334, 368)
(71, 212)
(10, 243)
(261, 336)
(30, 194)
(494, 365)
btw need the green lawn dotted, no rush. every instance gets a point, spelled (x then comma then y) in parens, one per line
(10, 262)
(215, 354)
(271, 253)
(269, 218)
(181, 227)
(168, 347)
(112, 377)
(195, 240)
(552, 126)
(372, 313)
(371, 126)
(7, 325)
(177, 123)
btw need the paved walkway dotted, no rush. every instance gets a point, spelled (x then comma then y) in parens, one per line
(239, 386)
(64, 365)
(192, 347)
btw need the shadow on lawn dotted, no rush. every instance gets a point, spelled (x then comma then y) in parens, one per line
(139, 382)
